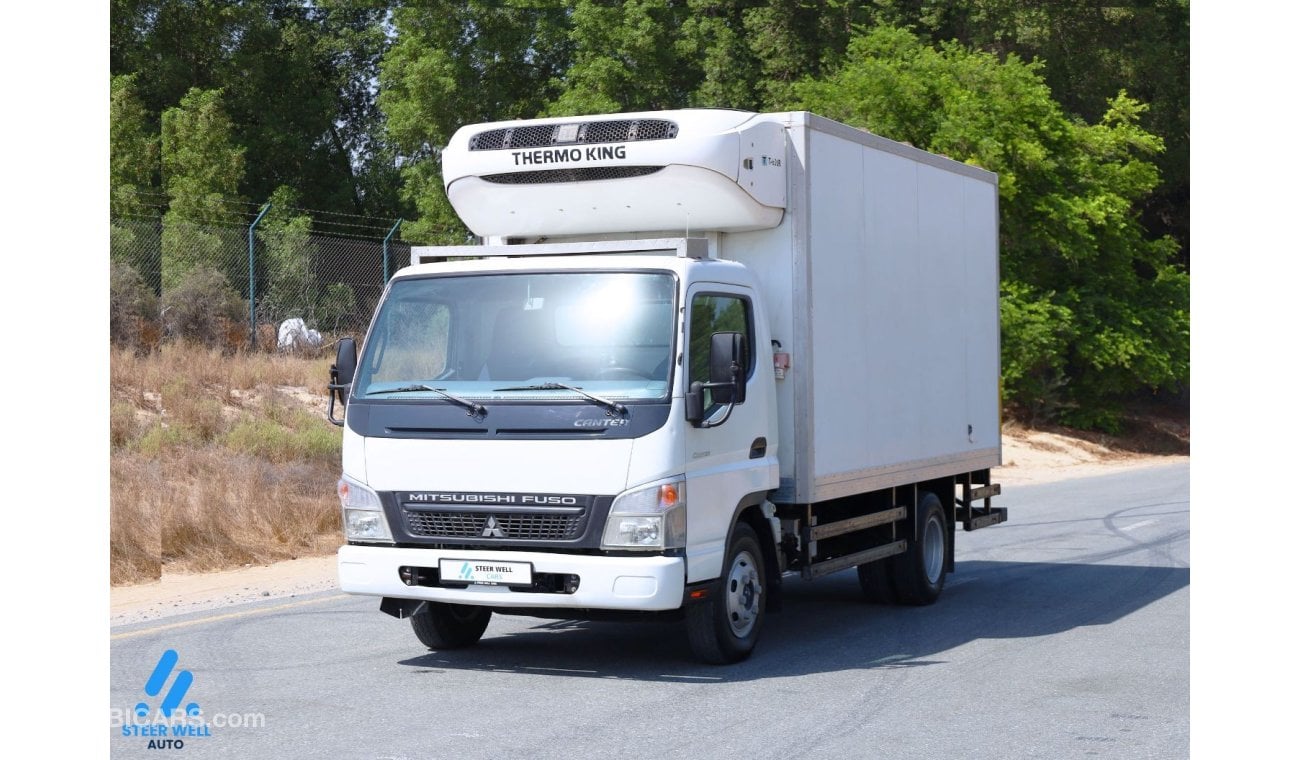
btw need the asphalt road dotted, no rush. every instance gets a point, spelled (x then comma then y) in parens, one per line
(1064, 633)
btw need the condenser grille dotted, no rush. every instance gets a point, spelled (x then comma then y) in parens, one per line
(545, 135)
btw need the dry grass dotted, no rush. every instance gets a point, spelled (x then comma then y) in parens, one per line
(221, 509)
(135, 546)
(218, 460)
(213, 369)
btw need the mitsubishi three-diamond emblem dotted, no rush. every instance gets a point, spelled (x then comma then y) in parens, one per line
(492, 530)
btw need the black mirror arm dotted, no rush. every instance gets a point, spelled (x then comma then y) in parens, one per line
(699, 387)
(706, 424)
(340, 390)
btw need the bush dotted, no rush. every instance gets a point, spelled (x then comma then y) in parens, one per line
(123, 424)
(337, 303)
(307, 440)
(202, 308)
(159, 439)
(1036, 334)
(132, 306)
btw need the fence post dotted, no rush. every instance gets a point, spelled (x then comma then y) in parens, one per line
(386, 239)
(252, 289)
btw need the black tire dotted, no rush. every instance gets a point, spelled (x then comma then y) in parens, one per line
(919, 572)
(450, 626)
(877, 583)
(725, 628)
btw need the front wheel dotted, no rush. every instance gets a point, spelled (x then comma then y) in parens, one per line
(725, 628)
(450, 626)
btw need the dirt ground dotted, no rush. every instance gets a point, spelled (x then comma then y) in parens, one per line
(1029, 457)
(1040, 456)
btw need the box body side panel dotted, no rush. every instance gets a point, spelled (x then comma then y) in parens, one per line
(903, 318)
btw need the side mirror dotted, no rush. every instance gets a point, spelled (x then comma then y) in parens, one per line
(727, 364)
(342, 371)
(345, 362)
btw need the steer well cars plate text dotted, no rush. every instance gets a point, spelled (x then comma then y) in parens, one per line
(485, 572)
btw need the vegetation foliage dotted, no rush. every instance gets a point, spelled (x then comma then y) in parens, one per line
(202, 307)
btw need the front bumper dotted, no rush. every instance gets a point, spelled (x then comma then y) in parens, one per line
(606, 583)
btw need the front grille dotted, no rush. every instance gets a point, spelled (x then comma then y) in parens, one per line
(585, 174)
(544, 135)
(520, 527)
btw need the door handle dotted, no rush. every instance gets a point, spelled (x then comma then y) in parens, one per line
(758, 449)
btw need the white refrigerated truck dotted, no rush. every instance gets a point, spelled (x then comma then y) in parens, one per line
(697, 353)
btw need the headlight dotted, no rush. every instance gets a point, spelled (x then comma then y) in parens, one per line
(648, 518)
(363, 515)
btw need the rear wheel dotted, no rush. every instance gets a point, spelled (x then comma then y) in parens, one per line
(877, 586)
(450, 626)
(919, 572)
(725, 628)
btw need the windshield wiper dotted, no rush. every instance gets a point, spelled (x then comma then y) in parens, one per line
(475, 408)
(612, 405)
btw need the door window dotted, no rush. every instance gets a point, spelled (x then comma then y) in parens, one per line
(711, 313)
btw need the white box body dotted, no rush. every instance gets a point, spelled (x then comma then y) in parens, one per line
(882, 284)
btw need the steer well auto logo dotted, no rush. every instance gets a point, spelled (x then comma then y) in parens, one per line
(180, 686)
(160, 718)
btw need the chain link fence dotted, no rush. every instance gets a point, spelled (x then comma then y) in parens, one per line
(174, 278)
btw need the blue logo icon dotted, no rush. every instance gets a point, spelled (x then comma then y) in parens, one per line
(466, 571)
(180, 685)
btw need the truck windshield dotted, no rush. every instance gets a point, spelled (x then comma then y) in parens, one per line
(523, 336)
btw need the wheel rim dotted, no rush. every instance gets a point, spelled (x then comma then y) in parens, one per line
(744, 594)
(932, 542)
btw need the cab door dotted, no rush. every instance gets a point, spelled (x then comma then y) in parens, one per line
(728, 462)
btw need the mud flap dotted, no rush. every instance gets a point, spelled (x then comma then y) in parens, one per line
(400, 608)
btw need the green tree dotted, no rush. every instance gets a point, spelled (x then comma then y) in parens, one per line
(794, 39)
(133, 171)
(1090, 50)
(288, 260)
(133, 151)
(626, 58)
(202, 163)
(1096, 308)
(201, 167)
(457, 63)
(713, 37)
(297, 80)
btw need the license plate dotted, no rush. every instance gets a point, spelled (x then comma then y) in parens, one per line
(486, 572)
